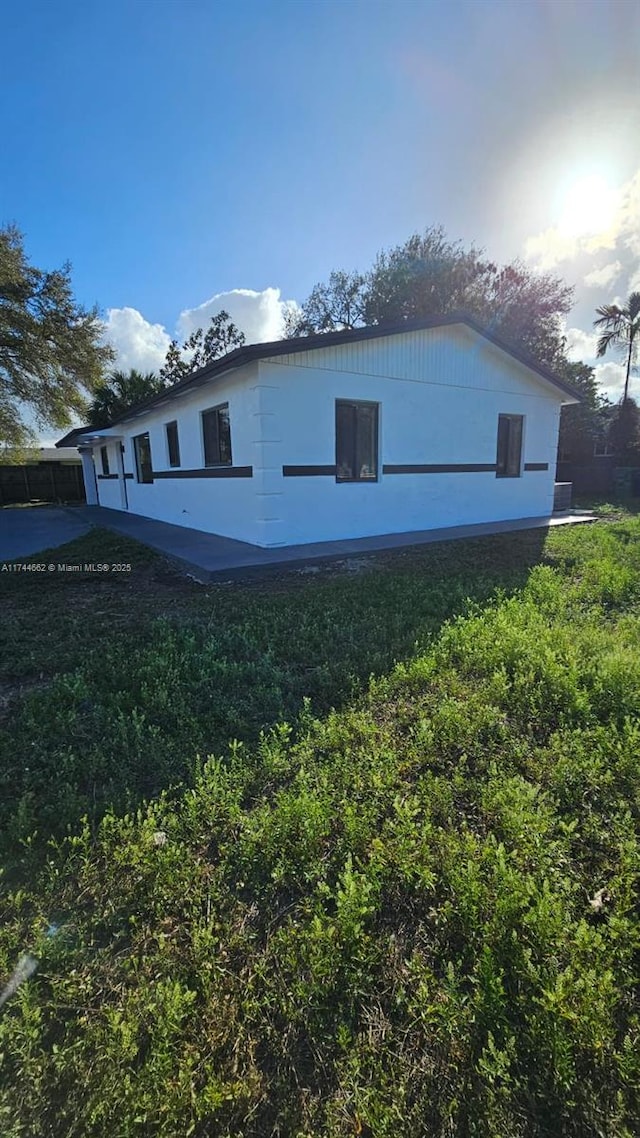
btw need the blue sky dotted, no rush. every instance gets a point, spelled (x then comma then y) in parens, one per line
(176, 150)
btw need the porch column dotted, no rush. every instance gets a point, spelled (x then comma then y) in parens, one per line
(89, 475)
(124, 504)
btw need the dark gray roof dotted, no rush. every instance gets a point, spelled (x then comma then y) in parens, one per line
(250, 352)
(70, 439)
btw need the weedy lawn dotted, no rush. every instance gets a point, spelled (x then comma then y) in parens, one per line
(417, 912)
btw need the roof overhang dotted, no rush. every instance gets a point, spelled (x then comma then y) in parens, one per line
(99, 438)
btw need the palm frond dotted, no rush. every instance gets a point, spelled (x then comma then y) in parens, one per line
(609, 314)
(607, 340)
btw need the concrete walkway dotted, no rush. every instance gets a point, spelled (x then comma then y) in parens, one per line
(207, 555)
(26, 530)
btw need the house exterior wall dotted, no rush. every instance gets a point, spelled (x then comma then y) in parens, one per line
(221, 505)
(440, 392)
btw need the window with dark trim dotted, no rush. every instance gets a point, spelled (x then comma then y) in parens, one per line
(142, 451)
(173, 445)
(104, 457)
(509, 457)
(216, 436)
(356, 441)
(602, 448)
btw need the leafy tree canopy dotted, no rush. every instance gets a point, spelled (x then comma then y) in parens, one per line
(338, 304)
(624, 432)
(201, 348)
(581, 424)
(50, 349)
(430, 275)
(120, 391)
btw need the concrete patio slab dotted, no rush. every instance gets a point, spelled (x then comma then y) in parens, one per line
(207, 556)
(25, 530)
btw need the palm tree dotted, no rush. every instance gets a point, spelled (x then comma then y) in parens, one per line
(119, 391)
(622, 330)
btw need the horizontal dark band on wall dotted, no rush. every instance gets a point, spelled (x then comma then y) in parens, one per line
(106, 477)
(443, 468)
(127, 475)
(208, 472)
(536, 465)
(307, 471)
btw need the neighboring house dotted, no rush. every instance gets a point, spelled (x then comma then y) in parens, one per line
(59, 455)
(341, 435)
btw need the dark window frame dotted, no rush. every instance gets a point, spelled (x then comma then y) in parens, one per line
(602, 448)
(213, 439)
(510, 432)
(344, 446)
(173, 455)
(144, 471)
(104, 458)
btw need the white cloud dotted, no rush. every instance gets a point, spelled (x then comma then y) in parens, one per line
(142, 345)
(601, 278)
(629, 217)
(581, 345)
(137, 343)
(553, 246)
(549, 248)
(557, 244)
(634, 281)
(610, 377)
(260, 315)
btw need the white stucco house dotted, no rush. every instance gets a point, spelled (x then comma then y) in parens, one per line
(389, 429)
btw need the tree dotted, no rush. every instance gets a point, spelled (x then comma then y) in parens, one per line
(426, 276)
(50, 349)
(331, 307)
(429, 275)
(622, 330)
(201, 348)
(119, 392)
(624, 433)
(582, 424)
(526, 308)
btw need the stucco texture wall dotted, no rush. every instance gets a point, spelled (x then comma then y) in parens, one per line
(225, 506)
(440, 393)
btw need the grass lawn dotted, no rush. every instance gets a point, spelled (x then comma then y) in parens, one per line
(359, 851)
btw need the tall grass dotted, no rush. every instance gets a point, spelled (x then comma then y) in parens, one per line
(417, 914)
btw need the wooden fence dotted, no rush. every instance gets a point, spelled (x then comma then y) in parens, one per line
(603, 477)
(41, 482)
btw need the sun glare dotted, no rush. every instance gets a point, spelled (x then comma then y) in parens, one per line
(589, 207)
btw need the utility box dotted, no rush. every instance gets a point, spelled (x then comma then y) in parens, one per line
(562, 496)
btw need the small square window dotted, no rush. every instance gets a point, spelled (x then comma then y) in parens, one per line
(142, 451)
(356, 441)
(216, 435)
(104, 458)
(509, 457)
(173, 445)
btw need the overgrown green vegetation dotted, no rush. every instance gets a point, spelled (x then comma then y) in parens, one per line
(415, 914)
(135, 674)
